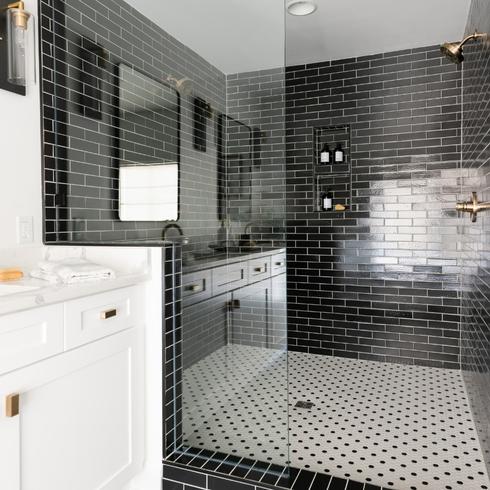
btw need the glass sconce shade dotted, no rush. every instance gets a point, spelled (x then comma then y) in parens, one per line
(20, 39)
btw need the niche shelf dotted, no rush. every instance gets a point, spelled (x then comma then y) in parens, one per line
(339, 185)
(331, 135)
(332, 177)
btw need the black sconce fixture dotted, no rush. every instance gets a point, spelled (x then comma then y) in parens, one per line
(202, 112)
(17, 53)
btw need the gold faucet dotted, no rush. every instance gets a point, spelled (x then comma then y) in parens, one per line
(473, 207)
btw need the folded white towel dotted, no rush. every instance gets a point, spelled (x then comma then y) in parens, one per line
(72, 271)
(45, 276)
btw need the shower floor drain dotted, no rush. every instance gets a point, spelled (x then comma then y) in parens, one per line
(306, 405)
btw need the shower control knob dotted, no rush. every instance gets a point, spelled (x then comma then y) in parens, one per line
(473, 207)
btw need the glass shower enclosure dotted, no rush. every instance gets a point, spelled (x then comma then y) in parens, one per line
(229, 389)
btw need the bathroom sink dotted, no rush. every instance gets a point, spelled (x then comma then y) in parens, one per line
(7, 289)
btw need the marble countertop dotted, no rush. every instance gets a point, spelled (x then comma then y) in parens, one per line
(47, 293)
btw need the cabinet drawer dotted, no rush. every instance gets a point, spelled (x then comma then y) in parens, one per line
(30, 336)
(196, 286)
(278, 263)
(229, 277)
(259, 269)
(91, 318)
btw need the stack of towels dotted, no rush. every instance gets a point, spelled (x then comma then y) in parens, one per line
(71, 271)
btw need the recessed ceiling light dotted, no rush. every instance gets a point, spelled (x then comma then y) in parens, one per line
(301, 7)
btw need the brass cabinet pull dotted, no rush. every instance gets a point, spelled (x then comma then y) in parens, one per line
(259, 269)
(105, 315)
(195, 288)
(12, 405)
(473, 207)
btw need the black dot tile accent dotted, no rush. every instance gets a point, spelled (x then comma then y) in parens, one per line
(391, 425)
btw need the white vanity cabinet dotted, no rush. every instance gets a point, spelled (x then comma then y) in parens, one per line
(80, 415)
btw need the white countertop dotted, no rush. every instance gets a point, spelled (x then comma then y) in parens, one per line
(47, 293)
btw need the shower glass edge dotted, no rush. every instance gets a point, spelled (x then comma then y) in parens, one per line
(234, 398)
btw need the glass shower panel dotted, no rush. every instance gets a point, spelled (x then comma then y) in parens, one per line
(234, 332)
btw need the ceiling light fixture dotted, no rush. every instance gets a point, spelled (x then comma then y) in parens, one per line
(301, 7)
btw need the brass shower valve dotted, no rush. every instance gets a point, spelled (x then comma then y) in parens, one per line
(473, 207)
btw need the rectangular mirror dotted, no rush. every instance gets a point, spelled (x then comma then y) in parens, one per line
(149, 148)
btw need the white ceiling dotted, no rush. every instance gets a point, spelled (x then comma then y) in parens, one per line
(247, 35)
(233, 35)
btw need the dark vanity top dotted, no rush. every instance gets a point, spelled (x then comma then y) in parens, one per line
(118, 243)
(218, 259)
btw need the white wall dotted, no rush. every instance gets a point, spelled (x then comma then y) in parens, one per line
(20, 159)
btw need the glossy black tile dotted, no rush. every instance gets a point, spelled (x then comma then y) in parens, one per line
(377, 266)
(184, 476)
(475, 330)
(82, 48)
(215, 483)
(337, 484)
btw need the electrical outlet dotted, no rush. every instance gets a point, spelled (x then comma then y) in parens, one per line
(25, 229)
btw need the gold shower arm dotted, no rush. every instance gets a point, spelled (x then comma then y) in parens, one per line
(473, 207)
(476, 35)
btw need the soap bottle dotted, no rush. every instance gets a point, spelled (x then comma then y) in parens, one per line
(326, 201)
(339, 154)
(325, 155)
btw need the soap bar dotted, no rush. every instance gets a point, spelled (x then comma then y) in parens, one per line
(10, 274)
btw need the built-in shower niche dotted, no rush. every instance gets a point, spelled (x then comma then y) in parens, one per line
(333, 137)
(332, 178)
(338, 186)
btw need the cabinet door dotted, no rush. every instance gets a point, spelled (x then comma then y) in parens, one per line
(279, 326)
(80, 422)
(205, 328)
(250, 318)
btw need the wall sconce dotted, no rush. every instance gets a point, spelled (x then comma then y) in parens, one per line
(17, 48)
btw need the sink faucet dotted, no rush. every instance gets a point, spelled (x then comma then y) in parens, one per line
(180, 238)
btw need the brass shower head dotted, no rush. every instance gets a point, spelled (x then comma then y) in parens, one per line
(454, 51)
(184, 85)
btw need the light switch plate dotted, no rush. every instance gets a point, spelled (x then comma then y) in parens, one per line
(25, 229)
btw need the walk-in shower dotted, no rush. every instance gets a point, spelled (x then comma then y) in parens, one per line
(326, 305)
(351, 169)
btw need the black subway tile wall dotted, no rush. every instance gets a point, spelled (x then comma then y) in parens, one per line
(83, 141)
(257, 100)
(172, 355)
(378, 281)
(255, 117)
(475, 240)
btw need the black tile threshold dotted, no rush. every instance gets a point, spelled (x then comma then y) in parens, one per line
(251, 473)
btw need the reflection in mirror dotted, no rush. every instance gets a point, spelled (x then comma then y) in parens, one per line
(149, 148)
(235, 153)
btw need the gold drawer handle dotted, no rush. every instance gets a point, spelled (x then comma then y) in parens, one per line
(259, 269)
(12, 405)
(105, 315)
(195, 288)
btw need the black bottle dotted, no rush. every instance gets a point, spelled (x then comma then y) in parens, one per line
(326, 201)
(339, 155)
(325, 156)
